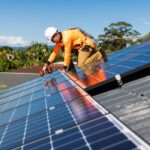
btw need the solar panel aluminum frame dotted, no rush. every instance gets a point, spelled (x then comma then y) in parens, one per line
(123, 76)
(141, 144)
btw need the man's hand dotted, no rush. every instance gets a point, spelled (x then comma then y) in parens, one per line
(49, 69)
(43, 71)
(63, 71)
(46, 69)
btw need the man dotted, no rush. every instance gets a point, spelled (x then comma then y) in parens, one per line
(72, 40)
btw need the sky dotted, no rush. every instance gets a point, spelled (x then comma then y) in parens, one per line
(24, 21)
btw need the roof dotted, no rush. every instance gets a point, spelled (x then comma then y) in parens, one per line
(56, 111)
(12, 79)
(131, 104)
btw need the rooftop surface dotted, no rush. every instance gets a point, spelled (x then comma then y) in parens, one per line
(130, 104)
(12, 79)
(56, 111)
(22, 75)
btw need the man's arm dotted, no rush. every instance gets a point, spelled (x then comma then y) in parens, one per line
(52, 57)
(67, 57)
(54, 54)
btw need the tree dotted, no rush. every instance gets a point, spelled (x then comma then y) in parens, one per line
(6, 49)
(117, 36)
(5, 64)
(37, 52)
(144, 38)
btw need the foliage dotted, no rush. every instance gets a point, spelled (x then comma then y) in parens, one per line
(146, 37)
(15, 64)
(5, 64)
(38, 51)
(117, 36)
(6, 49)
(34, 54)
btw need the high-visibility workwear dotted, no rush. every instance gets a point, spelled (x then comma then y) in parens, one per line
(72, 40)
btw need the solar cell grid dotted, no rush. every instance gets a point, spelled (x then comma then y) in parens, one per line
(20, 114)
(96, 134)
(37, 96)
(20, 87)
(123, 62)
(5, 117)
(130, 49)
(58, 114)
(25, 91)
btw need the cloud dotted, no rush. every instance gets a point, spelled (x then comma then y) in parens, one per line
(146, 23)
(13, 41)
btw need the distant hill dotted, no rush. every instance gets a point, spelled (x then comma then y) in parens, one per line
(23, 48)
(19, 48)
(15, 48)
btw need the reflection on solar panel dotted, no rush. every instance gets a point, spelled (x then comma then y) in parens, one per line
(55, 113)
(123, 62)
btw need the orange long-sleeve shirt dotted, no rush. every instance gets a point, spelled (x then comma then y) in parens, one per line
(70, 39)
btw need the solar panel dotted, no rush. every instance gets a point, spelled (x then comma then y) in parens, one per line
(97, 134)
(55, 113)
(123, 62)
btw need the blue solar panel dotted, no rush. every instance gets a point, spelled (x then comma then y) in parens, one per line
(55, 113)
(131, 50)
(123, 62)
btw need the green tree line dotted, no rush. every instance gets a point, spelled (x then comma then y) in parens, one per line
(36, 54)
(120, 35)
(116, 36)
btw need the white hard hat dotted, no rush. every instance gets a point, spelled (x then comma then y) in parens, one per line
(49, 32)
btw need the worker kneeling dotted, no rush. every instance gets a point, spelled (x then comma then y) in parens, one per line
(70, 41)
